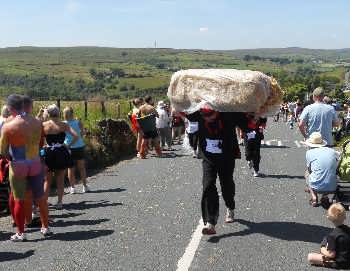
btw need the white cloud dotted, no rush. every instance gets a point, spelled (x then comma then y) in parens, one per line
(72, 7)
(203, 29)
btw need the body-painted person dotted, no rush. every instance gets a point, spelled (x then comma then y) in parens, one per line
(20, 140)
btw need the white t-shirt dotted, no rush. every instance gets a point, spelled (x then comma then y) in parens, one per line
(163, 120)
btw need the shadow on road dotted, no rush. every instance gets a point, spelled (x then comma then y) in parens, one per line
(289, 231)
(282, 176)
(77, 235)
(108, 190)
(274, 147)
(66, 215)
(12, 256)
(62, 223)
(83, 205)
(4, 236)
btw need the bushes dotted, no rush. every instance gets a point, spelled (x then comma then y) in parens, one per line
(111, 141)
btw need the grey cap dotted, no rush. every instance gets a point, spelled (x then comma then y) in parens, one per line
(318, 92)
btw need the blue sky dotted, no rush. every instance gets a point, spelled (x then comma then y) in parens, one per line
(215, 24)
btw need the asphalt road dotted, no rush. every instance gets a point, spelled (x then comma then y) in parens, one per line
(142, 215)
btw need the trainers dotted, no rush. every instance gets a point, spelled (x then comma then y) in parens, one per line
(85, 189)
(230, 216)
(46, 232)
(72, 190)
(194, 155)
(209, 229)
(256, 174)
(250, 164)
(18, 237)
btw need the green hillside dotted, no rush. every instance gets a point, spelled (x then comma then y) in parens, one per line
(84, 72)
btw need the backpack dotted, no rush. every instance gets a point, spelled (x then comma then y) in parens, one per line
(344, 163)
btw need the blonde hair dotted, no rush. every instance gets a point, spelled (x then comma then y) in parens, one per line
(53, 111)
(336, 213)
(68, 113)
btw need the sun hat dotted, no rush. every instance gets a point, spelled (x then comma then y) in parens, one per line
(161, 104)
(315, 140)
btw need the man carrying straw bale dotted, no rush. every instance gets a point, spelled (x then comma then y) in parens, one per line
(216, 99)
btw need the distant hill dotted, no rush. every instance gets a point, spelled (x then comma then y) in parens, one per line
(85, 72)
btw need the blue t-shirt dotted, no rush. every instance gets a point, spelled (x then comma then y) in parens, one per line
(69, 138)
(323, 164)
(318, 117)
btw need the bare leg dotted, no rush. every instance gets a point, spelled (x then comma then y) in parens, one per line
(139, 141)
(44, 212)
(47, 184)
(60, 185)
(28, 202)
(82, 171)
(71, 176)
(313, 197)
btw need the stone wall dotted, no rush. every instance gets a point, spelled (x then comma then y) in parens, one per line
(111, 141)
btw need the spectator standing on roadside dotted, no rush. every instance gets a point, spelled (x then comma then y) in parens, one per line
(151, 135)
(5, 113)
(57, 156)
(20, 139)
(133, 115)
(177, 125)
(77, 150)
(318, 117)
(162, 124)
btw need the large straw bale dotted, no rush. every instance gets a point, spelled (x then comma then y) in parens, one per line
(226, 90)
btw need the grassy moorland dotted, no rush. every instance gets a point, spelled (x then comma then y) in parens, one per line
(79, 73)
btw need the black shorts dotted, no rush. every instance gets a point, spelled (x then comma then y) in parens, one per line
(77, 153)
(57, 158)
(150, 135)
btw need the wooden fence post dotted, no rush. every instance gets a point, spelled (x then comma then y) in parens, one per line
(58, 102)
(118, 110)
(85, 109)
(103, 108)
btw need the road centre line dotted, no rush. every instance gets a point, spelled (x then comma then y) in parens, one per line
(185, 262)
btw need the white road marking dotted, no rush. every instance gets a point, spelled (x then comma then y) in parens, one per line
(185, 262)
(279, 143)
(268, 143)
(297, 143)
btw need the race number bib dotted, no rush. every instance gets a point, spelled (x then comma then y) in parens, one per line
(251, 135)
(192, 127)
(213, 145)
